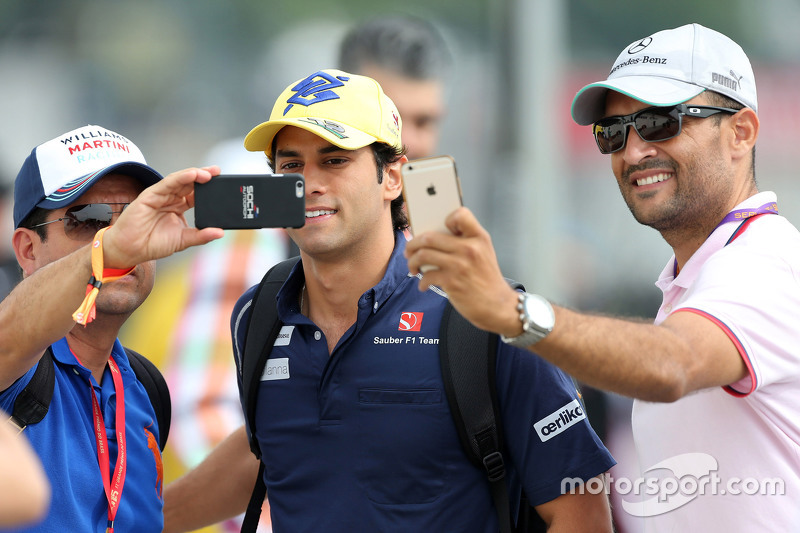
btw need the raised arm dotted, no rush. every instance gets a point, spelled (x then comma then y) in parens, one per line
(39, 310)
(686, 352)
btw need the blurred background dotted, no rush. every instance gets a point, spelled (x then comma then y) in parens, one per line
(181, 77)
(178, 77)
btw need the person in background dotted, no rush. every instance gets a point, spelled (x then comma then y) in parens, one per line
(24, 489)
(410, 59)
(91, 217)
(717, 376)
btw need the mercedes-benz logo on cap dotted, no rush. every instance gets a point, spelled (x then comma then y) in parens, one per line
(641, 45)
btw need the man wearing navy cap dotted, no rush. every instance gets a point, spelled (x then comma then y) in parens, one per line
(91, 217)
(716, 378)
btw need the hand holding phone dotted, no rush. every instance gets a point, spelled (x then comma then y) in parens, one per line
(250, 202)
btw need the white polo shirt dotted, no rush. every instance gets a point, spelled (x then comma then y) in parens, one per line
(728, 459)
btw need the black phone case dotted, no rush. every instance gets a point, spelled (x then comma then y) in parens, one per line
(250, 202)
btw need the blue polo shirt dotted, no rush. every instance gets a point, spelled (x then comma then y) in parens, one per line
(66, 445)
(363, 439)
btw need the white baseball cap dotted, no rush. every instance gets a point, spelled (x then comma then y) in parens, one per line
(671, 67)
(58, 172)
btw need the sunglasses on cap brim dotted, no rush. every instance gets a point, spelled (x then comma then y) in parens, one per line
(81, 222)
(652, 124)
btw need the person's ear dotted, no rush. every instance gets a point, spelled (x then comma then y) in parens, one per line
(745, 126)
(26, 244)
(393, 178)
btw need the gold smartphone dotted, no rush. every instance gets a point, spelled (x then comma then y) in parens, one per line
(431, 191)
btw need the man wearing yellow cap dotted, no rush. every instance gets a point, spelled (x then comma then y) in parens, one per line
(352, 418)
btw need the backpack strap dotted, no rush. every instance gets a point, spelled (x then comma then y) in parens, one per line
(468, 356)
(253, 512)
(156, 386)
(262, 330)
(34, 401)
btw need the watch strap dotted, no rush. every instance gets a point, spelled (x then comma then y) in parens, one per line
(531, 331)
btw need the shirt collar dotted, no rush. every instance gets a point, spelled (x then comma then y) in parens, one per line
(63, 354)
(396, 272)
(714, 243)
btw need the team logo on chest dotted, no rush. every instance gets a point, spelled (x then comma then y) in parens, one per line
(410, 321)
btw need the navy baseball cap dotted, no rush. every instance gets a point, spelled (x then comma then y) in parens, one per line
(58, 172)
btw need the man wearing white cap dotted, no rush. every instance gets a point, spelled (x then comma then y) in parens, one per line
(91, 217)
(716, 377)
(354, 430)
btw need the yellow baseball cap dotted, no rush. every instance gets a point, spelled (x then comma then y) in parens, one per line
(347, 110)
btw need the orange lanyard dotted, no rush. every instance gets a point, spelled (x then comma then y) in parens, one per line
(113, 487)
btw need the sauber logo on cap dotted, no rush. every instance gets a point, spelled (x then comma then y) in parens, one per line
(562, 419)
(410, 321)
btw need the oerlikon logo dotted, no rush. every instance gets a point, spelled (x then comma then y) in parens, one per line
(410, 321)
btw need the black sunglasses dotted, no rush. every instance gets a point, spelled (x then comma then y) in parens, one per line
(81, 222)
(653, 124)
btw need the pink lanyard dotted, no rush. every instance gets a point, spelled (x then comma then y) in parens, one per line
(113, 488)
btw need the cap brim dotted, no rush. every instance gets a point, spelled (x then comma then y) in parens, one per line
(71, 192)
(260, 138)
(589, 104)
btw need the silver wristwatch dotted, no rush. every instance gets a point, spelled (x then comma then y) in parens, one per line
(537, 317)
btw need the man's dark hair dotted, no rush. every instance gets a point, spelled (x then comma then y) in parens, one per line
(386, 155)
(409, 46)
(720, 100)
(37, 216)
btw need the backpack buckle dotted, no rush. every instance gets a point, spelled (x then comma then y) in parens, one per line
(14, 424)
(495, 467)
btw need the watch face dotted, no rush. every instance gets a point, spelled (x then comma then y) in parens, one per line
(540, 311)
